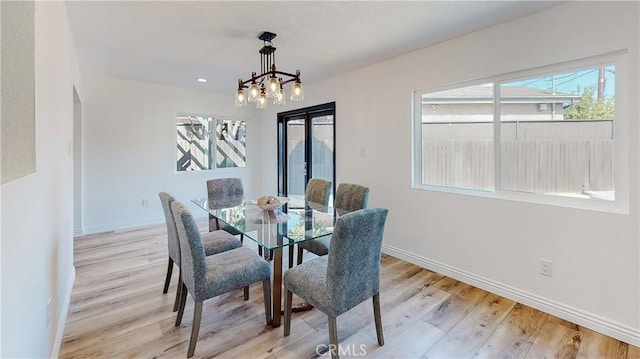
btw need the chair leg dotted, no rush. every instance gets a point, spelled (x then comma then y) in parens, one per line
(241, 237)
(246, 293)
(333, 337)
(288, 298)
(266, 293)
(176, 304)
(260, 250)
(197, 315)
(167, 280)
(378, 318)
(212, 225)
(290, 250)
(183, 299)
(300, 254)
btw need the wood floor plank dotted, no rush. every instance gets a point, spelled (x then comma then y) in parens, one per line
(449, 285)
(633, 352)
(557, 339)
(456, 307)
(414, 342)
(515, 335)
(596, 345)
(470, 333)
(263, 346)
(118, 310)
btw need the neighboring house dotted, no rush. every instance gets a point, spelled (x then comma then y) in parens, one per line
(466, 113)
(475, 104)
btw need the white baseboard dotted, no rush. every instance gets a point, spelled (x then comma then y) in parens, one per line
(62, 320)
(123, 225)
(592, 321)
(77, 232)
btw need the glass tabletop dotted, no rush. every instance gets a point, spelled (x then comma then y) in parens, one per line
(295, 221)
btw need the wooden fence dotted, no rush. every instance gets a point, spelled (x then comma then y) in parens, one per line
(540, 166)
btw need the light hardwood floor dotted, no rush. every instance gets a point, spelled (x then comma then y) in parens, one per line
(118, 311)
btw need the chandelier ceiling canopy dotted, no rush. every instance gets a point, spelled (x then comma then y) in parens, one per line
(269, 83)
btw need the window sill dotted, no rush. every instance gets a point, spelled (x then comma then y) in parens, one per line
(592, 202)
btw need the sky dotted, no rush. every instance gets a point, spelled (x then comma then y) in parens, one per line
(570, 82)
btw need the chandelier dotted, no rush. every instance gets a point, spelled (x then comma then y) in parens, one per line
(269, 83)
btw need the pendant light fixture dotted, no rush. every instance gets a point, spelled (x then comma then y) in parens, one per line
(269, 83)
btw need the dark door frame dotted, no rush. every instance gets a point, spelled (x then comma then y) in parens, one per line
(307, 113)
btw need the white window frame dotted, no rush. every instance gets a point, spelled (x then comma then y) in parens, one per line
(620, 134)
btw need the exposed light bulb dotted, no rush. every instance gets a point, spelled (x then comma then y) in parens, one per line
(280, 98)
(297, 92)
(241, 99)
(261, 103)
(254, 92)
(273, 87)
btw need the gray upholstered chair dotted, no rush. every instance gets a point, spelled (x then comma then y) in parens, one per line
(349, 197)
(209, 276)
(318, 191)
(213, 242)
(349, 275)
(222, 189)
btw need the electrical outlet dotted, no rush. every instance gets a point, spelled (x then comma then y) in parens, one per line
(49, 312)
(545, 267)
(145, 202)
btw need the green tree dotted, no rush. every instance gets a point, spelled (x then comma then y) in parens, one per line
(590, 108)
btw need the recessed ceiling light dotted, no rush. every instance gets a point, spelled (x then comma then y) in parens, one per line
(201, 80)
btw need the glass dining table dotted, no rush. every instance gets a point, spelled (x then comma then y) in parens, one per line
(294, 222)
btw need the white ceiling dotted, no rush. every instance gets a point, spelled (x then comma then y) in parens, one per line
(176, 42)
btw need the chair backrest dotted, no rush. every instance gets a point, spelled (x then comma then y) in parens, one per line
(224, 187)
(173, 243)
(318, 191)
(223, 192)
(353, 269)
(193, 260)
(351, 197)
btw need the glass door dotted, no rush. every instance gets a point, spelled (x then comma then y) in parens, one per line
(306, 148)
(296, 156)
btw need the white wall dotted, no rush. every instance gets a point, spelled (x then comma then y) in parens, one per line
(77, 164)
(37, 212)
(1, 196)
(494, 243)
(129, 150)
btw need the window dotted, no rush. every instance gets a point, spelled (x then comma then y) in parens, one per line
(557, 133)
(457, 137)
(205, 143)
(547, 132)
(231, 143)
